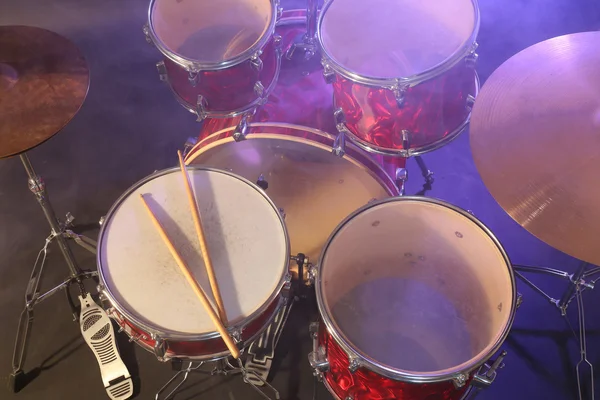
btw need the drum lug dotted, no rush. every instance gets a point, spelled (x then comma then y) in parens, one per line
(101, 220)
(241, 129)
(354, 364)
(472, 57)
(328, 73)
(278, 41)
(312, 274)
(259, 89)
(339, 145)
(317, 358)
(146, 30)
(201, 104)
(135, 339)
(160, 348)
(193, 77)
(256, 61)
(399, 91)
(236, 335)
(401, 178)
(486, 374)
(470, 102)
(459, 381)
(286, 291)
(162, 71)
(519, 300)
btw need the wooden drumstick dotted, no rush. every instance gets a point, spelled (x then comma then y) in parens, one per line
(197, 288)
(202, 239)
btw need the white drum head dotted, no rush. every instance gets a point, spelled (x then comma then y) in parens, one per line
(417, 288)
(396, 38)
(209, 31)
(246, 240)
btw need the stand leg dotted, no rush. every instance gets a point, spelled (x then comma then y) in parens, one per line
(32, 295)
(38, 188)
(573, 287)
(583, 362)
(427, 174)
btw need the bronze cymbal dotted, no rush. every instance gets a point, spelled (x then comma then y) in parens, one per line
(44, 80)
(535, 138)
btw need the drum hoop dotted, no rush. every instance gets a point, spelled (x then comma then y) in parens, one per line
(469, 391)
(353, 153)
(166, 334)
(197, 66)
(396, 374)
(467, 47)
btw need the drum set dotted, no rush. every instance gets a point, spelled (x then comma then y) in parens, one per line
(298, 173)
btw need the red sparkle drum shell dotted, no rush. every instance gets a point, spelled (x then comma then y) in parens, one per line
(373, 68)
(233, 55)
(147, 294)
(418, 293)
(207, 349)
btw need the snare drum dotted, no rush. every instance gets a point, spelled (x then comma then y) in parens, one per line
(294, 165)
(221, 57)
(415, 295)
(402, 70)
(150, 298)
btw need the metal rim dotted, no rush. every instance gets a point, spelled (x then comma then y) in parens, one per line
(220, 355)
(353, 154)
(411, 80)
(195, 66)
(386, 151)
(336, 397)
(174, 335)
(396, 374)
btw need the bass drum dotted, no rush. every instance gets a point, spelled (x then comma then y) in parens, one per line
(314, 189)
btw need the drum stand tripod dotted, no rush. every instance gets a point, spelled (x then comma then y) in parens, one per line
(578, 283)
(59, 232)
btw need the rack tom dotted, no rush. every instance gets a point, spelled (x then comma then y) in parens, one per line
(402, 70)
(221, 58)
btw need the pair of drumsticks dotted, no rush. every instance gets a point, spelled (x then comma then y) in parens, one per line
(221, 319)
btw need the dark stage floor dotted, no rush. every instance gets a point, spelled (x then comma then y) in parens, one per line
(130, 126)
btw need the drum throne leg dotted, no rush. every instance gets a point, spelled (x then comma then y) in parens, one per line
(59, 233)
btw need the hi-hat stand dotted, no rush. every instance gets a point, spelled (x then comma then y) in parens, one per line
(578, 283)
(59, 232)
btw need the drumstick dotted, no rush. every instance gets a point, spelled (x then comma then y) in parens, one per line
(202, 239)
(197, 289)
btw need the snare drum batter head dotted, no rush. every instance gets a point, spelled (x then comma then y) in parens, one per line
(396, 38)
(417, 288)
(315, 189)
(209, 31)
(246, 240)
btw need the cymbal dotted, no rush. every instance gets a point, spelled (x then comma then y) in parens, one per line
(44, 80)
(535, 139)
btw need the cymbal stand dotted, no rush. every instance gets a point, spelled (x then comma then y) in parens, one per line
(58, 233)
(305, 45)
(578, 283)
